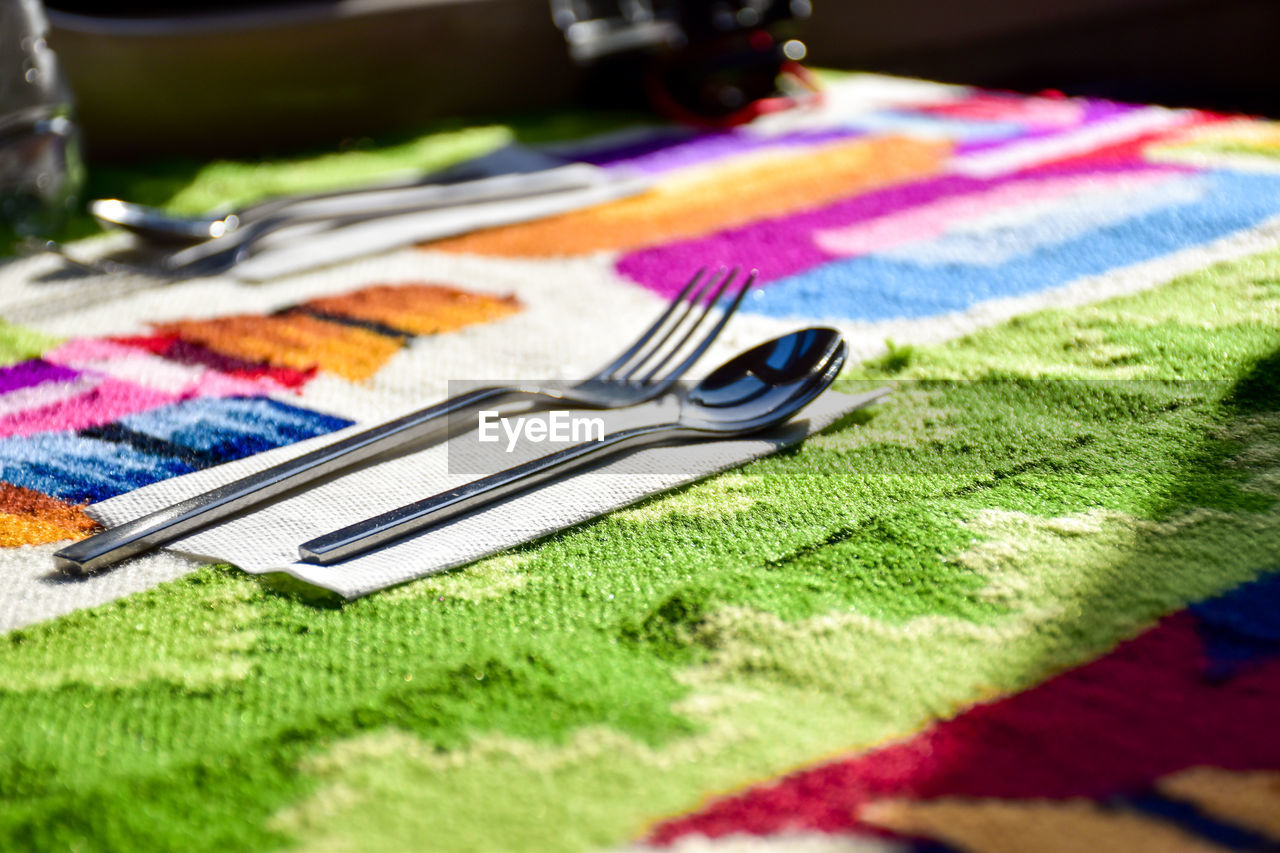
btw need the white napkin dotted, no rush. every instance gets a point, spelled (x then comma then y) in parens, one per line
(267, 539)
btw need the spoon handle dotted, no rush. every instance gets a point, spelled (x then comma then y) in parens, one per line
(371, 533)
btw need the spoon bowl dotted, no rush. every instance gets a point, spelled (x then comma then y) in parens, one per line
(763, 387)
(161, 228)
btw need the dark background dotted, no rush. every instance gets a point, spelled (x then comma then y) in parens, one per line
(252, 77)
(1222, 54)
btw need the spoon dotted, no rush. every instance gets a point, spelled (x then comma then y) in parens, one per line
(758, 389)
(156, 226)
(513, 170)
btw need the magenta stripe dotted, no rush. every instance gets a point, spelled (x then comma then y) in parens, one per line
(34, 372)
(784, 246)
(145, 368)
(930, 221)
(110, 401)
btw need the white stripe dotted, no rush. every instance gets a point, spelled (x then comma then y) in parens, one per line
(145, 369)
(1033, 152)
(46, 394)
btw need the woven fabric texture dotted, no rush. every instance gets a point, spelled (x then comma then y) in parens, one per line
(1027, 600)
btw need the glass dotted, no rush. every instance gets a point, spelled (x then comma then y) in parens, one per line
(40, 169)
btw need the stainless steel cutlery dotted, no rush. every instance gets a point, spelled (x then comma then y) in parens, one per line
(510, 185)
(638, 374)
(755, 390)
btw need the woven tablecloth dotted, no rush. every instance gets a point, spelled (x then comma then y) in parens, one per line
(1030, 600)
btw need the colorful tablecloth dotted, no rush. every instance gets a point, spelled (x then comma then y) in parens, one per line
(1029, 601)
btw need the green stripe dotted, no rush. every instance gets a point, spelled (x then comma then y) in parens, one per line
(20, 344)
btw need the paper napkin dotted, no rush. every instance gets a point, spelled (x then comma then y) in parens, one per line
(266, 540)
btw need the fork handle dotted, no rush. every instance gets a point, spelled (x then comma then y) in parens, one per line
(356, 539)
(173, 522)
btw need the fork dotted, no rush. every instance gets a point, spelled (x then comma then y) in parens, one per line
(635, 376)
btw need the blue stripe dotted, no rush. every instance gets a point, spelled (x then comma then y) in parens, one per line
(232, 427)
(936, 126)
(151, 446)
(880, 288)
(1240, 627)
(79, 469)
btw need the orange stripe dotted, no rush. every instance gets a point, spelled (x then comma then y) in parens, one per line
(419, 309)
(31, 518)
(16, 530)
(296, 341)
(299, 341)
(1048, 826)
(705, 200)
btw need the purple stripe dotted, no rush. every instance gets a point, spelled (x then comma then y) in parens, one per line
(34, 372)
(185, 352)
(784, 246)
(665, 152)
(632, 148)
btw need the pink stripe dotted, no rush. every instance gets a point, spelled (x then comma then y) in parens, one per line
(46, 394)
(87, 349)
(110, 401)
(933, 220)
(1037, 112)
(140, 367)
(1035, 151)
(784, 246)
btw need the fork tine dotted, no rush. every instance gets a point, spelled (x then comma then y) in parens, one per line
(675, 303)
(691, 309)
(681, 368)
(688, 335)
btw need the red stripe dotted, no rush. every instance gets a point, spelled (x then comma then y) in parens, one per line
(1108, 727)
